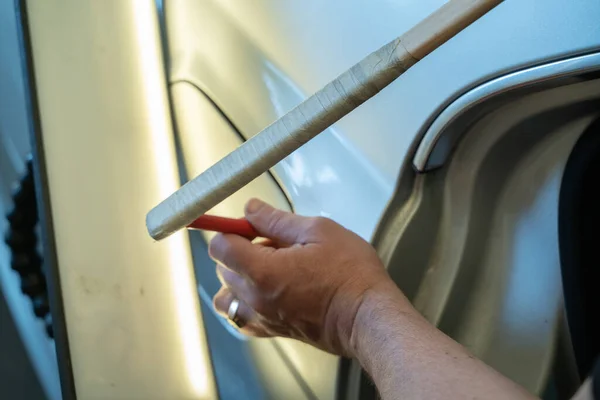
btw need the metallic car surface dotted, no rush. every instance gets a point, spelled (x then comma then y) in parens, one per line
(131, 307)
(280, 52)
(478, 271)
(489, 274)
(442, 136)
(247, 367)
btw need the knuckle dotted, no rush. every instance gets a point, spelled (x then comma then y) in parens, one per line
(258, 270)
(276, 221)
(318, 225)
(222, 249)
(219, 304)
(228, 277)
(221, 300)
(215, 247)
(225, 249)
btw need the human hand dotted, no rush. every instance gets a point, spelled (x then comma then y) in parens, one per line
(307, 281)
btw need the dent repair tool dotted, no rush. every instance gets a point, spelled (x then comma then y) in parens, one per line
(311, 117)
(214, 223)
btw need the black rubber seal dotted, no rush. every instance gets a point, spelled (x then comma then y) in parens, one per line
(44, 207)
(578, 228)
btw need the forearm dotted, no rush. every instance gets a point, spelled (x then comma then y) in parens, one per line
(409, 358)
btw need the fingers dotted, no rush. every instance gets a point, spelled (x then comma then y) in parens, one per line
(235, 252)
(284, 227)
(236, 283)
(249, 320)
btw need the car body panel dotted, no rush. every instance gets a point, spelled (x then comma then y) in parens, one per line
(110, 155)
(205, 136)
(280, 53)
(221, 46)
(130, 304)
(485, 222)
(316, 177)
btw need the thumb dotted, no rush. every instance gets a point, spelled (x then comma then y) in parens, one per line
(271, 223)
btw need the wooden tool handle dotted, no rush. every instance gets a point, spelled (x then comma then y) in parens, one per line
(314, 115)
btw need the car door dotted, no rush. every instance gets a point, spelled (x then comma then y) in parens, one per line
(172, 86)
(256, 61)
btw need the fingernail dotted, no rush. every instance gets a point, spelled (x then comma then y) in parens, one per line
(253, 206)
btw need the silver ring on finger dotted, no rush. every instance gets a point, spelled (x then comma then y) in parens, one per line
(232, 313)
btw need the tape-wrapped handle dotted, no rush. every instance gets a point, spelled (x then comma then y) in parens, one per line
(311, 117)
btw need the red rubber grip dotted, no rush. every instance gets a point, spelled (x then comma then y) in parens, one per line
(239, 226)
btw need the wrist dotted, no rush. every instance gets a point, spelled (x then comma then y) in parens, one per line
(378, 306)
(343, 310)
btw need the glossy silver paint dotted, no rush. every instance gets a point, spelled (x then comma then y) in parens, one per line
(443, 135)
(258, 368)
(255, 60)
(131, 306)
(486, 222)
(280, 52)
